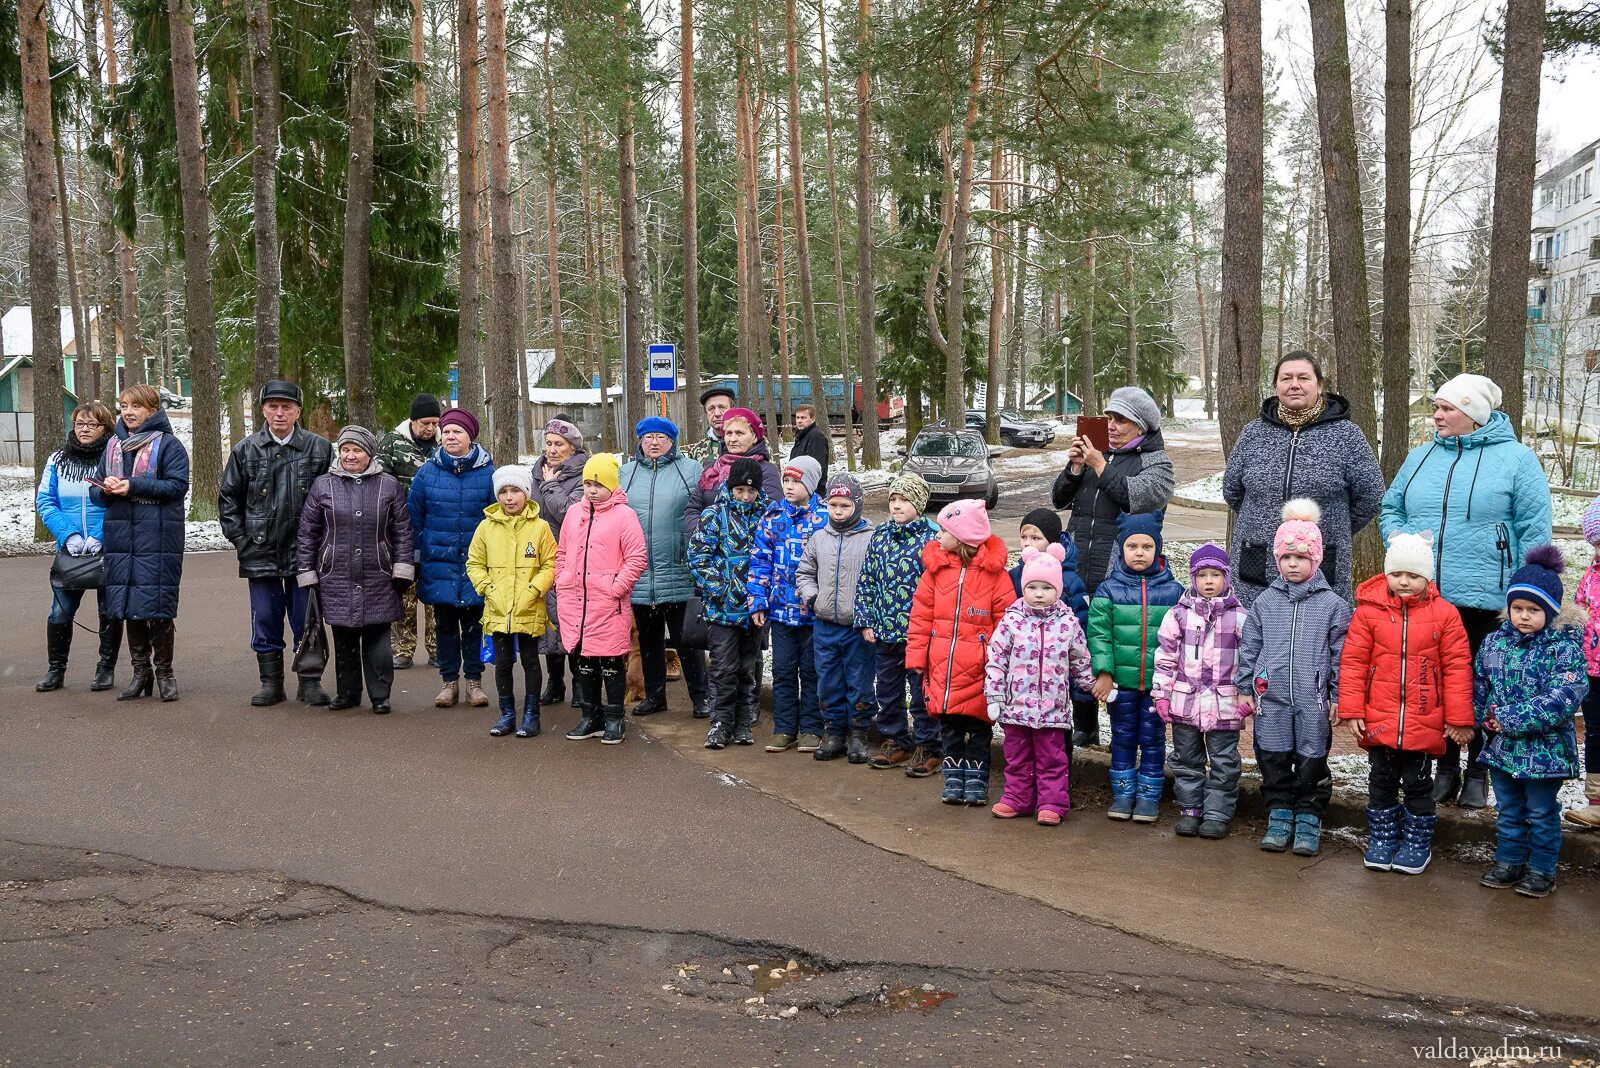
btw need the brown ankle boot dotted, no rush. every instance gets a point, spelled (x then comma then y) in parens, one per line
(447, 696)
(475, 695)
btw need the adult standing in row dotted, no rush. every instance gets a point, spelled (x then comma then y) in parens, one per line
(811, 439)
(263, 489)
(354, 545)
(1302, 445)
(145, 478)
(715, 400)
(401, 453)
(657, 483)
(1484, 498)
(743, 435)
(557, 486)
(446, 501)
(78, 525)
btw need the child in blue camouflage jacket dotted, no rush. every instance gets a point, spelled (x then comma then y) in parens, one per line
(781, 538)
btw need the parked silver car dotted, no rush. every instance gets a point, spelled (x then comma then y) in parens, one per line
(955, 464)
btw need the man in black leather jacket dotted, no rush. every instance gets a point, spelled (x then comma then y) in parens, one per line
(263, 489)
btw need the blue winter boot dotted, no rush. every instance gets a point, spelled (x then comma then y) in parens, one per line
(1307, 835)
(1416, 845)
(1383, 836)
(1122, 791)
(1147, 805)
(530, 717)
(508, 716)
(955, 781)
(1280, 826)
(977, 787)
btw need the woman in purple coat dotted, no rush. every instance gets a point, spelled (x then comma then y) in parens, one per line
(355, 545)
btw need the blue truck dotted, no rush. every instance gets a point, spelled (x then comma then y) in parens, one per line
(799, 392)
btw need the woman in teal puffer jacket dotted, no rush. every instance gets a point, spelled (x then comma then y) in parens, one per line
(1483, 496)
(658, 481)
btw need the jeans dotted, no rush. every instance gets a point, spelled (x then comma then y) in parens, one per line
(1295, 782)
(599, 683)
(891, 680)
(1205, 772)
(1038, 764)
(271, 599)
(1394, 770)
(844, 677)
(655, 623)
(1137, 730)
(1527, 823)
(735, 674)
(460, 637)
(64, 605)
(363, 650)
(508, 648)
(966, 738)
(794, 681)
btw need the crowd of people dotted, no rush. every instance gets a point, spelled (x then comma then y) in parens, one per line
(918, 634)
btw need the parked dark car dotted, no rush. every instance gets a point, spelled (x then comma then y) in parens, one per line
(171, 400)
(955, 464)
(1014, 429)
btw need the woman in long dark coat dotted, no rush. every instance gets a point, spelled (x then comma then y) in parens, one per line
(144, 477)
(355, 547)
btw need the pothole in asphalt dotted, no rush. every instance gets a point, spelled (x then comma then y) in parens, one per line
(779, 989)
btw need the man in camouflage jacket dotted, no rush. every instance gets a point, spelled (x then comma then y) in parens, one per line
(403, 450)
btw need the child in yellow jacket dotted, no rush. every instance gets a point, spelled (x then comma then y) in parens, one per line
(512, 565)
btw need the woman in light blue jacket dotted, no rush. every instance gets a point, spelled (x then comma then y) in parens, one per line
(1483, 496)
(78, 525)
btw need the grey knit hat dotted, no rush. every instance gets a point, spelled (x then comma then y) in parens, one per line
(359, 436)
(1134, 403)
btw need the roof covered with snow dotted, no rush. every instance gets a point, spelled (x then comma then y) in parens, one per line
(16, 329)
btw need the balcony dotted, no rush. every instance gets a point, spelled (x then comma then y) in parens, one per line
(1539, 267)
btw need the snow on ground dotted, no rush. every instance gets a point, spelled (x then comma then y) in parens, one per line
(1208, 489)
(1569, 508)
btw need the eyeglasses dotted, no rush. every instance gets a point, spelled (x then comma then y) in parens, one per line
(86, 422)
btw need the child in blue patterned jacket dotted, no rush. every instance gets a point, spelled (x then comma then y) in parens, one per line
(1529, 682)
(883, 610)
(780, 540)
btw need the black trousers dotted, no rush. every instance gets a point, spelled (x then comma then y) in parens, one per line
(1396, 770)
(966, 738)
(1295, 782)
(507, 649)
(655, 623)
(735, 656)
(597, 677)
(365, 651)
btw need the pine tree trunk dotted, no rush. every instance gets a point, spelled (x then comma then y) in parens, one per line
(502, 351)
(780, 287)
(1515, 159)
(633, 348)
(742, 147)
(802, 237)
(1089, 393)
(1130, 301)
(997, 294)
(199, 315)
(264, 186)
(838, 245)
(692, 413)
(469, 354)
(360, 404)
(80, 333)
(419, 59)
(1016, 372)
(563, 376)
(105, 273)
(1341, 182)
(955, 297)
(1206, 384)
(1239, 346)
(866, 295)
(1396, 236)
(129, 318)
(44, 292)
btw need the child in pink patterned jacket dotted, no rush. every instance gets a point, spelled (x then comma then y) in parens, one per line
(1589, 598)
(1193, 690)
(1035, 655)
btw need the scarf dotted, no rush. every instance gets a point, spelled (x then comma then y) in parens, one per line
(77, 461)
(716, 474)
(1304, 418)
(143, 458)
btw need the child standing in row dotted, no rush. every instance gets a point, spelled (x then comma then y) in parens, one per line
(781, 539)
(1529, 684)
(1124, 620)
(719, 557)
(512, 564)
(883, 609)
(1588, 597)
(1035, 656)
(599, 557)
(829, 571)
(1040, 529)
(1194, 691)
(1292, 682)
(959, 601)
(1405, 685)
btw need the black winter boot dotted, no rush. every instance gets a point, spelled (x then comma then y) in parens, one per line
(530, 718)
(144, 678)
(58, 643)
(508, 716)
(1447, 779)
(555, 680)
(1475, 787)
(271, 667)
(616, 725)
(310, 692)
(858, 753)
(591, 724)
(163, 636)
(105, 672)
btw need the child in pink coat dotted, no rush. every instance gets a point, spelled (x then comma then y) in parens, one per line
(600, 556)
(1036, 654)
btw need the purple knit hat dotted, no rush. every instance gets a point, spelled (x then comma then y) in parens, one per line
(1211, 555)
(1591, 522)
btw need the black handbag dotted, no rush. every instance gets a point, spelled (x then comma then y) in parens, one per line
(696, 633)
(86, 572)
(311, 655)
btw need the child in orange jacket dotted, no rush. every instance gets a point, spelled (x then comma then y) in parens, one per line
(1405, 685)
(960, 598)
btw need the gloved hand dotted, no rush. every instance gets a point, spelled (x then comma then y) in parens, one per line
(92, 546)
(994, 713)
(1164, 710)
(75, 544)
(401, 584)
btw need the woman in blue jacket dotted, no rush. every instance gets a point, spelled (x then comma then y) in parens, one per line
(1485, 500)
(78, 525)
(446, 502)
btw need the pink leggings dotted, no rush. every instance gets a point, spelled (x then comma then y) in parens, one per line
(1037, 765)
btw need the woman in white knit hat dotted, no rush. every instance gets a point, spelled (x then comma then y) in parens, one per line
(1486, 500)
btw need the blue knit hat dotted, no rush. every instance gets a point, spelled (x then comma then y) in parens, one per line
(656, 424)
(1131, 523)
(1539, 581)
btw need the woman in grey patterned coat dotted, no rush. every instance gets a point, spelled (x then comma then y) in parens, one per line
(1303, 445)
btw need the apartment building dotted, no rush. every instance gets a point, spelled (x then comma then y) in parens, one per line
(1563, 354)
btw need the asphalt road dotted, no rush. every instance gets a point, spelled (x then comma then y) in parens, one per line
(202, 882)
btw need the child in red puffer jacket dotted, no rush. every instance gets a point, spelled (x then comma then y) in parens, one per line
(1405, 684)
(960, 598)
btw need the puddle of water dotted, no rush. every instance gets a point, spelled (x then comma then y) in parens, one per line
(769, 975)
(924, 998)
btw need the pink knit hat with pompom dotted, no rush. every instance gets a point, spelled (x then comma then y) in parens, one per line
(1043, 566)
(1299, 533)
